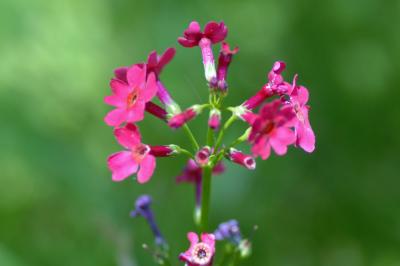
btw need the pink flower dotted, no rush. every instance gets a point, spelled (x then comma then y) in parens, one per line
(224, 60)
(199, 253)
(271, 129)
(305, 137)
(213, 33)
(182, 118)
(130, 96)
(138, 157)
(202, 157)
(242, 159)
(275, 86)
(214, 121)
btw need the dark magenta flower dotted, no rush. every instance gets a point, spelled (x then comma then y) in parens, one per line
(224, 60)
(137, 156)
(156, 110)
(199, 253)
(143, 209)
(178, 120)
(213, 33)
(271, 128)
(305, 137)
(130, 96)
(242, 159)
(202, 157)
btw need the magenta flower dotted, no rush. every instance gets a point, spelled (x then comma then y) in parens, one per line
(199, 253)
(242, 159)
(214, 121)
(130, 96)
(224, 60)
(138, 157)
(305, 137)
(213, 33)
(202, 157)
(275, 86)
(271, 128)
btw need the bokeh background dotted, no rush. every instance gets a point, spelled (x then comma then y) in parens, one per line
(338, 206)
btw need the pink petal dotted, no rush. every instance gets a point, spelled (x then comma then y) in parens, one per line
(209, 239)
(262, 148)
(146, 170)
(115, 100)
(194, 28)
(128, 136)
(122, 165)
(269, 110)
(120, 73)
(119, 87)
(302, 95)
(215, 32)
(151, 88)
(193, 238)
(305, 134)
(136, 76)
(282, 138)
(136, 112)
(116, 117)
(166, 57)
(187, 43)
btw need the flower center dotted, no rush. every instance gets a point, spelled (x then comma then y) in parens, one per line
(139, 151)
(268, 128)
(132, 97)
(201, 253)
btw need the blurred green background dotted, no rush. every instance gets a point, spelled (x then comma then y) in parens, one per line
(338, 206)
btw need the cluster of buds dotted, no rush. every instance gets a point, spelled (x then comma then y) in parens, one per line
(276, 117)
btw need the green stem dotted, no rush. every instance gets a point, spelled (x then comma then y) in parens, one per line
(205, 198)
(227, 124)
(191, 137)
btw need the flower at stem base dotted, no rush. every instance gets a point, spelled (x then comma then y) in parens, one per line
(130, 96)
(138, 157)
(142, 208)
(271, 128)
(213, 33)
(200, 253)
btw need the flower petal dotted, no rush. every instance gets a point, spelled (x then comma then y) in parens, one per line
(122, 165)
(146, 170)
(115, 100)
(120, 73)
(151, 88)
(281, 139)
(116, 117)
(136, 112)
(128, 136)
(136, 76)
(165, 58)
(119, 87)
(152, 60)
(193, 238)
(209, 239)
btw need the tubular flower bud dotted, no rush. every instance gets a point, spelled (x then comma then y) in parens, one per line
(180, 119)
(156, 110)
(162, 151)
(214, 121)
(224, 60)
(242, 159)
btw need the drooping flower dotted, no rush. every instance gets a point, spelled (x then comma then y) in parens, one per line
(213, 33)
(275, 86)
(156, 110)
(271, 128)
(305, 137)
(242, 159)
(199, 253)
(224, 60)
(214, 120)
(130, 96)
(138, 157)
(143, 209)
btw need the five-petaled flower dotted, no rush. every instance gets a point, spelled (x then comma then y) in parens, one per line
(213, 33)
(199, 253)
(271, 128)
(130, 96)
(138, 156)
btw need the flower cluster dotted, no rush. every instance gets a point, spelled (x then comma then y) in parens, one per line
(277, 116)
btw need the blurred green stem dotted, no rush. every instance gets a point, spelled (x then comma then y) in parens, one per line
(191, 137)
(227, 124)
(205, 197)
